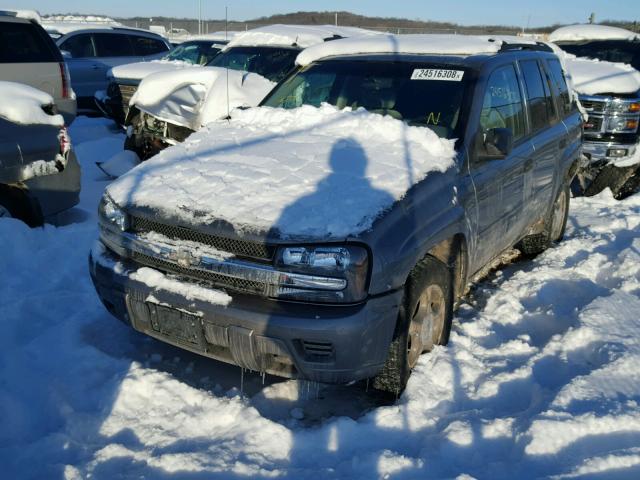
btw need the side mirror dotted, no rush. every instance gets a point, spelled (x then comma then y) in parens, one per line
(66, 54)
(498, 142)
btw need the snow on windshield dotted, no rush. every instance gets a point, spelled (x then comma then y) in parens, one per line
(302, 36)
(23, 104)
(307, 172)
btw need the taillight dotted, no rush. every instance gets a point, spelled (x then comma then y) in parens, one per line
(65, 141)
(66, 80)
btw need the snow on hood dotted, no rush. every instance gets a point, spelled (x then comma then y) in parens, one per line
(26, 14)
(23, 104)
(301, 35)
(441, 44)
(139, 70)
(196, 96)
(305, 174)
(576, 33)
(592, 77)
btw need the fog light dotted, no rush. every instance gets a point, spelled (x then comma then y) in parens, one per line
(617, 152)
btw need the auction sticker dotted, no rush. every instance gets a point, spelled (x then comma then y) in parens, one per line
(437, 74)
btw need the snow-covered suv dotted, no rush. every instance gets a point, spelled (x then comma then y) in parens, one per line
(329, 233)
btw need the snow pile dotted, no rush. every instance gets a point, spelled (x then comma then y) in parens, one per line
(437, 44)
(591, 77)
(23, 104)
(139, 70)
(577, 33)
(309, 172)
(194, 97)
(539, 380)
(302, 36)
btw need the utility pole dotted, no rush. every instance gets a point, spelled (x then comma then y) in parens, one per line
(336, 19)
(199, 17)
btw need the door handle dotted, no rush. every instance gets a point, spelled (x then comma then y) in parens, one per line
(528, 164)
(95, 66)
(563, 143)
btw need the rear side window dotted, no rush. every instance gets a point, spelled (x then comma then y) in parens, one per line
(502, 106)
(144, 46)
(23, 43)
(538, 95)
(561, 84)
(112, 45)
(79, 46)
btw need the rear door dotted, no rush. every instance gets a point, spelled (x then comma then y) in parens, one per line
(26, 56)
(548, 133)
(499, 182)
(86, 70)
(114, 49)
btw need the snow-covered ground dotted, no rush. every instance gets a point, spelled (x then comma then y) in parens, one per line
(540, 378)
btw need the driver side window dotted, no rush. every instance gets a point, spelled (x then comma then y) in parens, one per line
(502, 106)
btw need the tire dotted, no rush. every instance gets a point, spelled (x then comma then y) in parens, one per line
(424, 321)
(615, 178)
(5, 212)
(15, 203)
(554, 226)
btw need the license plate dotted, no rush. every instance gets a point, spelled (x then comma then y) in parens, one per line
(175, 324)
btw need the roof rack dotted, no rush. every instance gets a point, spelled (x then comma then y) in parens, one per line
(534, 47)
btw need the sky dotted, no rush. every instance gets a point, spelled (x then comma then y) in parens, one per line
(466, 12)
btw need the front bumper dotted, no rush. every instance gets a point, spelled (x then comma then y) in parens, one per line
(600, 151)
(329, 344)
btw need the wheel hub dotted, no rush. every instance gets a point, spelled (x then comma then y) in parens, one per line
(427, 323)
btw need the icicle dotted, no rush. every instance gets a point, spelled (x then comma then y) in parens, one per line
(263, 374)
(241, 382)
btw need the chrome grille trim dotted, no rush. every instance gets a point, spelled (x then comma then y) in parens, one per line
(240, 248)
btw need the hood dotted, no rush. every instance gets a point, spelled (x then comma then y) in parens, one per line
(139, 70)
(307, 174)
(593, 77)
(194, 97)
(577, 33)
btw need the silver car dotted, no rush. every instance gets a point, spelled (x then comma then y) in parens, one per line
(92, 52)
(28, 55)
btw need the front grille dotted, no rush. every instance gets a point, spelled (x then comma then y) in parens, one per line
(126, 92)
(215, 279)
(593, 106)
(594, 124)
(240, 248)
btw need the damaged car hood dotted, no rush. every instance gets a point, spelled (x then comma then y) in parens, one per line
(592, 77)
(194, 97)
(307, 173)
(139, 70)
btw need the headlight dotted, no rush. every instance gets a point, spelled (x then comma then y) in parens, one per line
(327, 273)
(112, 215)
(622, 124)
(624, 107)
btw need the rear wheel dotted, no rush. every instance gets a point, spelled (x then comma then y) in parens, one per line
(554, 226)
(424, 321)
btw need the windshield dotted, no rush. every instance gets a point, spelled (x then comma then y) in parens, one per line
(271, 62)
(197, 53)
(610, 50)
(420, 94)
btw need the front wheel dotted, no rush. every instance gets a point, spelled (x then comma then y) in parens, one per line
(424, 321)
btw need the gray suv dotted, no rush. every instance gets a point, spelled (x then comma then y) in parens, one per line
(91, 53)
(330, 307)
